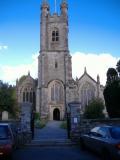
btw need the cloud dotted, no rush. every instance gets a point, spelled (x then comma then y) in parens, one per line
(11, 73)
(3, 47)
(95, 64)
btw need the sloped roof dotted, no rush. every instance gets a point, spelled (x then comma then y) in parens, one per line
(25, 78)
(86, 74)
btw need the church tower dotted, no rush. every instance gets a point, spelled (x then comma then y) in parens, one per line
(54, 62)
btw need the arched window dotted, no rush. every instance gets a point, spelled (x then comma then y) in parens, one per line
(23, 96)
(61, 93)
(27, 97)
(55, 35)
(34, 99)
(87, 94)
(57, 92)
(52, 93)
(31, 97)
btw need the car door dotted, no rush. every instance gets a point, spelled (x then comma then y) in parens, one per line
(90, 139)
(101, 139)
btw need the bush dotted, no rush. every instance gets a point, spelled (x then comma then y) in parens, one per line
(37, 116)
(95, 109)
(63, 125)
(38, 122)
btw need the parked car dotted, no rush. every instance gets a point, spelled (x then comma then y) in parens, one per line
(105, 140)
(7, 141)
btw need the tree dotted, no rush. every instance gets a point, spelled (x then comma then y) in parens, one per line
(118, 67)
(112, 99)
(95, 109)
(112, 93)
(8, 99)
(111, 75)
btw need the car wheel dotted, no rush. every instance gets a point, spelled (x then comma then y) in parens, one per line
(82, 144)
(106, 155)
(10, 157)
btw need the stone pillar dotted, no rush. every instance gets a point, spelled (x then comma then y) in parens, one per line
(26, 111)
(74, 109)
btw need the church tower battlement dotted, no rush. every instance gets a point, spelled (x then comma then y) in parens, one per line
(54, 28)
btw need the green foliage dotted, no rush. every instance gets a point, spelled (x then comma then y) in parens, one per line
(118, 67)
(38, 122)
(112, 92)
(112, 75)
(95, 109)
(8, 99)
(111, 72)
(63, 125)
(112, 99)
(37, 116)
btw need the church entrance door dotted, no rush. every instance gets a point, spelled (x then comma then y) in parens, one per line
(56, 114)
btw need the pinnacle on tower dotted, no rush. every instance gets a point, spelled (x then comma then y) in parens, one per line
(45, 7)
(44, 1)
(28, 73)
(45, 4)
(98, 78)
(85, 70)
(64, 1)
(64, 7)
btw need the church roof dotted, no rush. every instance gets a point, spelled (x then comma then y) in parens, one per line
(86, 74)
(26, 78)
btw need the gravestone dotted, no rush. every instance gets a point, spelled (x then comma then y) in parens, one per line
(4, 115)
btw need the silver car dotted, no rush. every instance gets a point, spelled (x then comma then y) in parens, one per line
(105, 140)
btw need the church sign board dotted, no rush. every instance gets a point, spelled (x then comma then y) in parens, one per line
(74, 109)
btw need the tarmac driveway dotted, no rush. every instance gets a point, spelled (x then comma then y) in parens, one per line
(52, 130)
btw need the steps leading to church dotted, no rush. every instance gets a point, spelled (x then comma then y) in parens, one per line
(52, 143)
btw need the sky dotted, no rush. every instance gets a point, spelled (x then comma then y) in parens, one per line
(94, 36)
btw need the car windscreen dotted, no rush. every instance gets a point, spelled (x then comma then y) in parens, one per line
(115, 132)
(4, 132)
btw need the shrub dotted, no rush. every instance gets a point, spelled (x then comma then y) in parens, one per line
(95, 109)
(38, 122)
(63, 125)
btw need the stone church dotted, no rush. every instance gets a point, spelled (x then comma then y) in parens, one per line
(55, 87)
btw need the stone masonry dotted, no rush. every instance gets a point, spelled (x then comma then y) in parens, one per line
(55, 86)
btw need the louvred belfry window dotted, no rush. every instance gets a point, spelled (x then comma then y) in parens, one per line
(55, 35)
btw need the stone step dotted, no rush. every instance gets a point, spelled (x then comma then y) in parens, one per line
(53, 142)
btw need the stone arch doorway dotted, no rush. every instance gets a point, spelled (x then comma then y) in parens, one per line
(56, 114)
